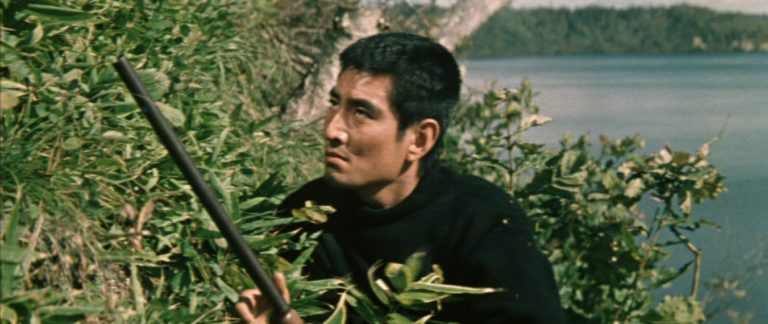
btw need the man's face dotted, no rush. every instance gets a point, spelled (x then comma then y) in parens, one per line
(362, 147)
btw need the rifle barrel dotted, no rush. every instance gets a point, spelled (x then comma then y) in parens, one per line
(200, 187)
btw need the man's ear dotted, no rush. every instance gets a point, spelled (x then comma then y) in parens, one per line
(423, 138)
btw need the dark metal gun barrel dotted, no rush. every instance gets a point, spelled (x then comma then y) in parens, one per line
(201, 188)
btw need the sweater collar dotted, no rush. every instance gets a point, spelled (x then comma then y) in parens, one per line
(426, 190)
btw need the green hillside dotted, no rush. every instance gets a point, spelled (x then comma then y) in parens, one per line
(598, 30)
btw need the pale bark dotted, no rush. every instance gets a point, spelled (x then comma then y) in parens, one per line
(308, 106)
(464, 17)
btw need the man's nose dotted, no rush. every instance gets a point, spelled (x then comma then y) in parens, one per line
(335, 129)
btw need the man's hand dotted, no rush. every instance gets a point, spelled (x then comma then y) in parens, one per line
(254, 308)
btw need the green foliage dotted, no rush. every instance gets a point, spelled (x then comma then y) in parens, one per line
(398, 297)
(97, 222)
(598, 30)
(585, 204)
(676, 310)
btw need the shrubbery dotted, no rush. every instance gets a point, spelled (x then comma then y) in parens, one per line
(98, 223)
(606, 252)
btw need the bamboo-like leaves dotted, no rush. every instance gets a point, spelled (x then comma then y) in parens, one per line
(339, 315)
(400, 298)
(78, 143)
(313, 213)
(51, 10)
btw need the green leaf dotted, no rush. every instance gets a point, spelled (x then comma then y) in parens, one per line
(255, 201)
(260, 243)
(220, 191)
(362, 304)
(10, 48)
(173, 115)
(378, 286)
(313, 213)
(138, 290)
(399, 276)
(115, 135)
(231, 294)
(568, 161)
(424, 320)
(451, 289)
(153, 179)
(535, 120)
(14, 254)
(50, 10)
(37, 34)
(415, 263)
(303, 257)
(339, 315)
(417, 296)
(8, 84)
(677, 309)
(156, 82)
(72, 75)
(687, 204)
(634, 188)
(395, 318)
(8, 315)
(598, 196)
(69, 314)
(219, 143)
(72, 143)
(319, 285)
(11, 239)
(9, 99)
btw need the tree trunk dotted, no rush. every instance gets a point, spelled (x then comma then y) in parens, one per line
(459, 22)
(463, 19)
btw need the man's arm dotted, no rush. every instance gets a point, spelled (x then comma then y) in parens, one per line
(506, 257)
(513, 263)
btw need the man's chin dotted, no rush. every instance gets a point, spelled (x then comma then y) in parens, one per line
(334, 179)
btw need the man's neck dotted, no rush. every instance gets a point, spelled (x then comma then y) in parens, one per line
(390, 194)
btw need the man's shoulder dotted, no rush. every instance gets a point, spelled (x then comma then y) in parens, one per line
(474, 189)
(484, 205)
(316, 190)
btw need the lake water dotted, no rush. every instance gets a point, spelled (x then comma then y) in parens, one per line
(683, 100)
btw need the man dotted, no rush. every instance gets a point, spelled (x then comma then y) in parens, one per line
(383, 131)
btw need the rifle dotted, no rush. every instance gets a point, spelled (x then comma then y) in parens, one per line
(281, 310)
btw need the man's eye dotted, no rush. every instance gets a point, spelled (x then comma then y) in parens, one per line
(333, 104)
(359, 112)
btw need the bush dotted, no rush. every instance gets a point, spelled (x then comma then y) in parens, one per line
(585, 207)
(97, 220)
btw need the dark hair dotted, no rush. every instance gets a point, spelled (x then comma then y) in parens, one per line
(425, 76)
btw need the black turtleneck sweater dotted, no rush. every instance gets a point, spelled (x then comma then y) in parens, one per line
(477, 234)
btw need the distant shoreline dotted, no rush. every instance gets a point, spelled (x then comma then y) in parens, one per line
(680, 29)
(637, 6)
(605, 55)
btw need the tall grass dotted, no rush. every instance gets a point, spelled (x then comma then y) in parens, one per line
(97, 222)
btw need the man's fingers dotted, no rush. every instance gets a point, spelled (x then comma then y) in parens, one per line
(282, 285)
(253, 308)
(245, 312)
(247, 304)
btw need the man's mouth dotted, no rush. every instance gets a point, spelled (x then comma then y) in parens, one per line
(333, 157)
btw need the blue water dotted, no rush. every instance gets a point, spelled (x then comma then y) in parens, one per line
(681, 100)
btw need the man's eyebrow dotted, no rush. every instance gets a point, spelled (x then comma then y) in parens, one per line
(357, 102)
(367, 105)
